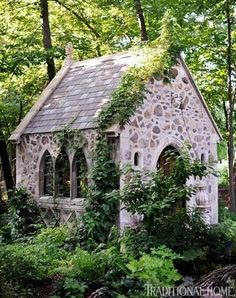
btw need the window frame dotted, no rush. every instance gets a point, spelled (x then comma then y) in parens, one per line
(74, 176)
(42, 192)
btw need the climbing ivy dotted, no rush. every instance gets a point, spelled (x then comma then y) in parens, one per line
(69, 138)
(73, 139)
(102, 201)
(158, 58)
(100, 212)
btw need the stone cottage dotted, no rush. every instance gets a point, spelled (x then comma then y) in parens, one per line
(171, 116)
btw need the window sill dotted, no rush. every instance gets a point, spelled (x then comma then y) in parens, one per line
(61, 203)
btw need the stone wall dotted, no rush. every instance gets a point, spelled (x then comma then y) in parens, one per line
(172, 114)
(29, 154)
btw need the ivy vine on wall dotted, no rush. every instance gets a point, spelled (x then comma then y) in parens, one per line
(101, 203)
(158, 58)
(69, 138)
(101, 209)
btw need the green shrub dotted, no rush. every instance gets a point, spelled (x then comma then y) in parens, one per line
(156, 268)
(70, 287)
(89, 266)
(23, 217)
(228, 225)
(56, 236)
(83, 265)
(114, 272)
(6, 289)
(22, 263)
(105, 267)
(157, 195)
(184, 232)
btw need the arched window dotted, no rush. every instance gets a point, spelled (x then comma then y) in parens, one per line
(203, 158)
(81, 174)
(46, 175)
(137, 159)
(62, 168)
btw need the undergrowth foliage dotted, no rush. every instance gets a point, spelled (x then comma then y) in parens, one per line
(22, 219)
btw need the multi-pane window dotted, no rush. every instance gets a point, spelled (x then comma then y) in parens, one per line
(62, 170)
(55, 177)
(47, 175)
(81, 173)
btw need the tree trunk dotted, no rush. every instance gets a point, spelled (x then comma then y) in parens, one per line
(231, 109)
(47, 41)
(220, 277)
(141, 19)
(6, 166)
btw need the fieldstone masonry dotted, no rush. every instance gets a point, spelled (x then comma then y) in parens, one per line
(172, 114)
(29, 154)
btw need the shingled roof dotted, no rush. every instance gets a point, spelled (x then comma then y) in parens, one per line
(78, 94)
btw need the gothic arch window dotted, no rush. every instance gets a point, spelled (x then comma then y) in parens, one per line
(62, 175)
(80, 171)
(46, 169)
(137, 159)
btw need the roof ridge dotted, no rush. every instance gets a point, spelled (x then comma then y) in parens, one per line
(103, 58)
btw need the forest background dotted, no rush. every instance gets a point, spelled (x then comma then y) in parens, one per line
(34, 34)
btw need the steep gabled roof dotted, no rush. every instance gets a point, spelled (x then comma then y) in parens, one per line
(77, 96)
(78, 92)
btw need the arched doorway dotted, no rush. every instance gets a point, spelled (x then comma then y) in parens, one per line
(167, 159)
(166, 162)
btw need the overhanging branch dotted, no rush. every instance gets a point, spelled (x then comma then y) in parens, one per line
(81, 18)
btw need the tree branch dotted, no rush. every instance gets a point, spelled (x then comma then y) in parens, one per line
(79, 17)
